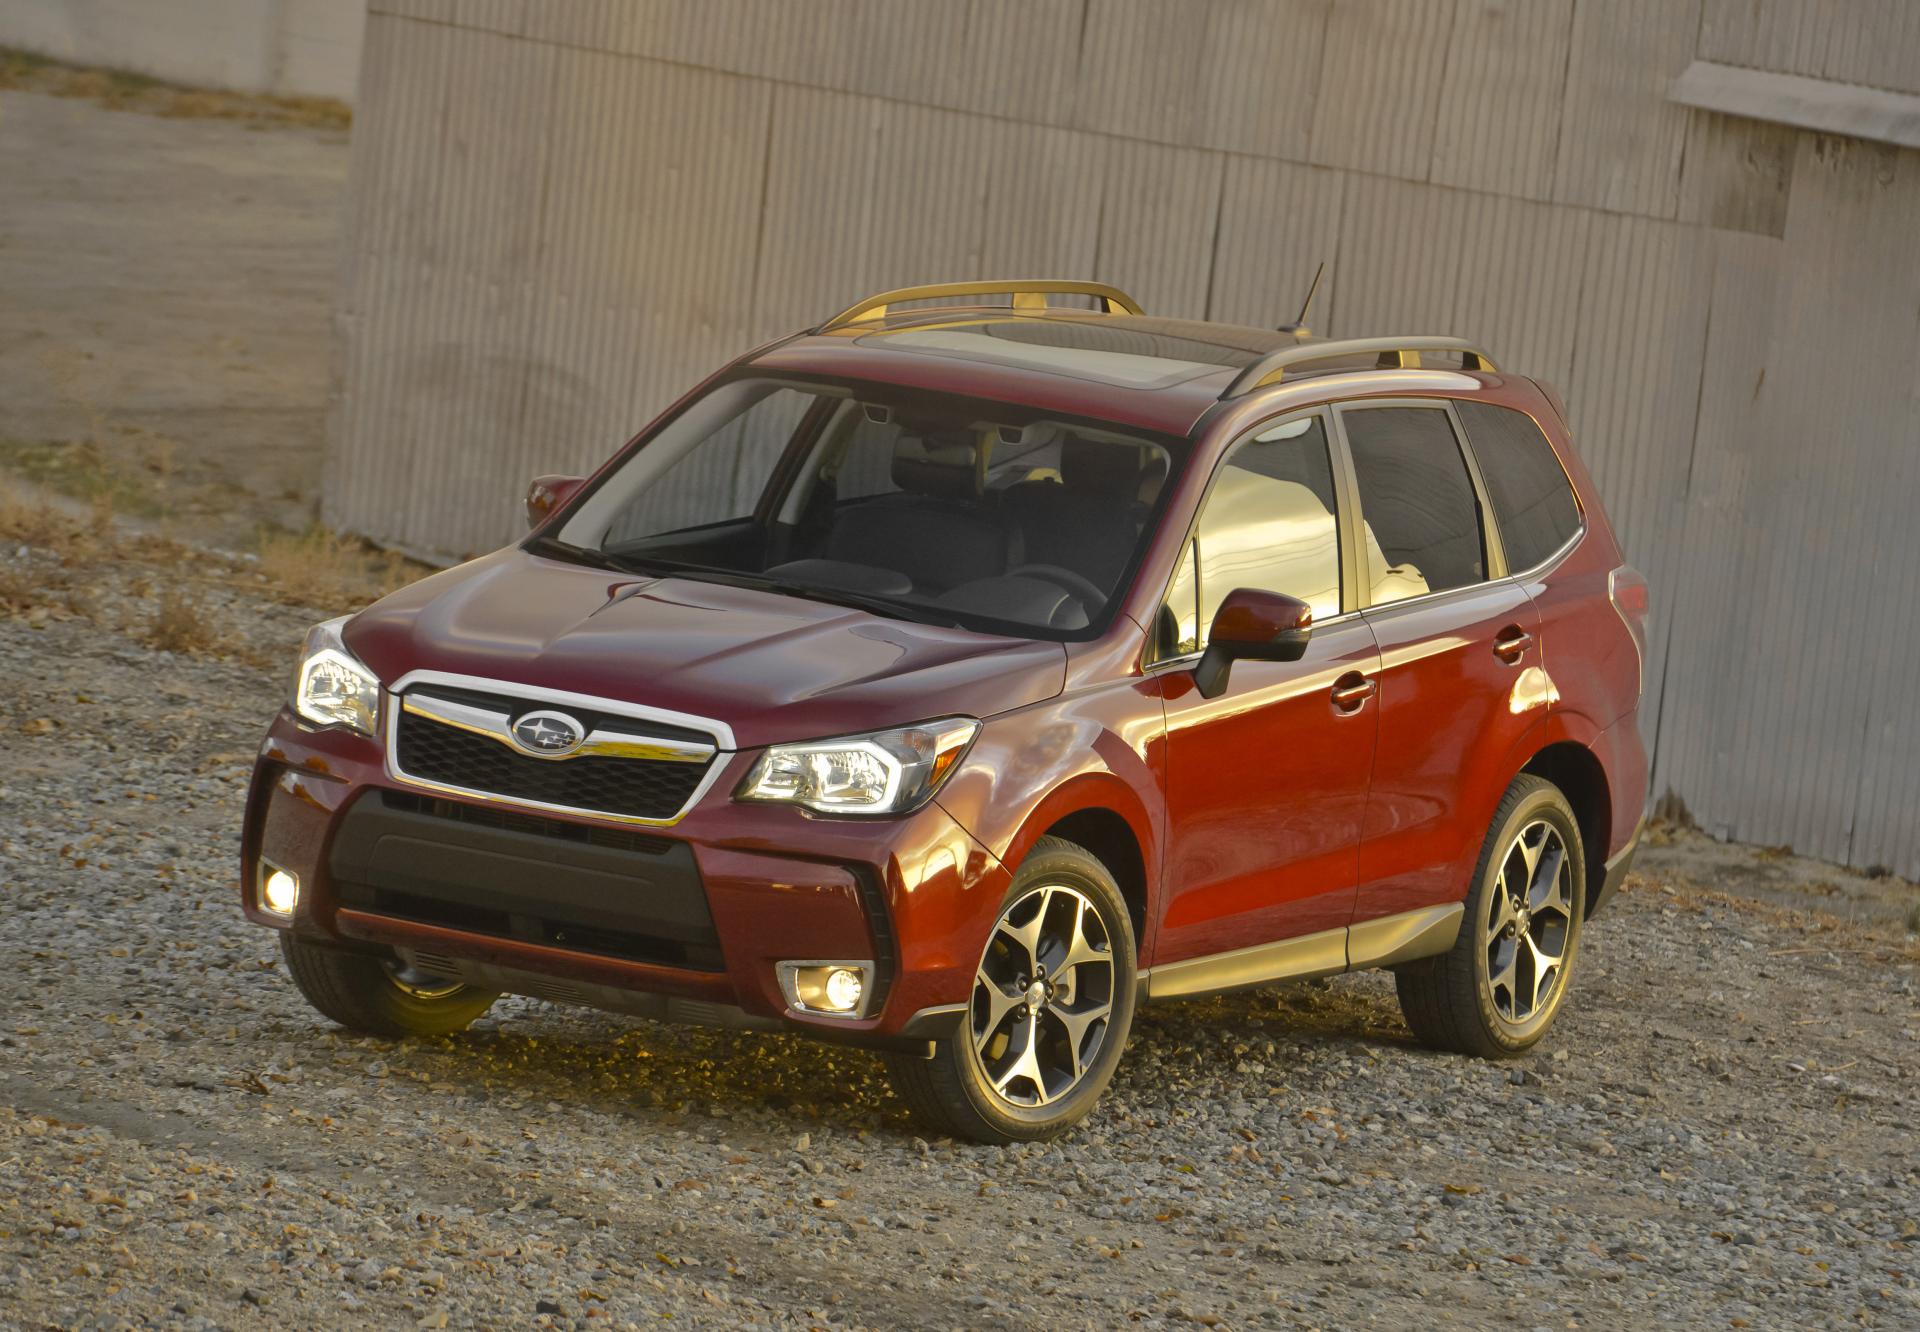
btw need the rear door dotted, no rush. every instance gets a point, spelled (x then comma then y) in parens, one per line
(1457, 638)
(1267, 783)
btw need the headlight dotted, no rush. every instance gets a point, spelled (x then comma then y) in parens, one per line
(331, 688)
(883, 772)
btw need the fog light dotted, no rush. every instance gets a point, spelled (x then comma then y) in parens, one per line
(843, 990)
(279, 891)
(838, 989)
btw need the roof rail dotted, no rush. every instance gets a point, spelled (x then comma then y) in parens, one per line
(1271, 368)
(1027, 295)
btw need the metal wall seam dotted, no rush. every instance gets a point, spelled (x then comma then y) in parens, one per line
(1621, 141)
(1380, 85)
(1498, 121)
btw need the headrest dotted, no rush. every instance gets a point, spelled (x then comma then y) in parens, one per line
(1091, 467)
(944, 465)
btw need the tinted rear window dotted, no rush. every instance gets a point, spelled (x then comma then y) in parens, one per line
(1422, 518)
(1532, 498)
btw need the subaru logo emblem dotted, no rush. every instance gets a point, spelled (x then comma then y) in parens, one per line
(548, 734)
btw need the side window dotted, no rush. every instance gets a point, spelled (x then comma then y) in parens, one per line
(1422, 519)
(1532, 498)
(1268, 523)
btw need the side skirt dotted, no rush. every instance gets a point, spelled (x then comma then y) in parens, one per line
(1385, 942)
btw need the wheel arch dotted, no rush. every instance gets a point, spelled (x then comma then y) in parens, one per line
(1101, 813)
(1577, 771)
(1109, 839)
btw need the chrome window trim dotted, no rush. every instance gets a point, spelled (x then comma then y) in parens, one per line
(1557, 557)
(722, 733)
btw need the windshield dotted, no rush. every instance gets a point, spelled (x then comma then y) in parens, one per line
(952, 510)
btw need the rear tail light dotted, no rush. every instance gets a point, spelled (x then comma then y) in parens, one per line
(1627, 589)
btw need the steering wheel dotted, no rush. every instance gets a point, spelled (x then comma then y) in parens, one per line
(1084, 588)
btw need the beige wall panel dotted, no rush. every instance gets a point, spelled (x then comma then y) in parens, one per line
(1008, 57)
(645, 276)
(1044, 187)
(1278, 223)
(1498, 123)
(1157, 224)
(437, 285)
(507, 17)
(1634, 391)
(1621, 141)
(1238, 75)
(1874, 42)
(1824, 758)
(1737, 174)
(1380, 85)
(1425, 259)
(819, 178)
(1388, 280)
(1717, 642)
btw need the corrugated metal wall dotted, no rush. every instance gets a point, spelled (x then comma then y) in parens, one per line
(564, 214)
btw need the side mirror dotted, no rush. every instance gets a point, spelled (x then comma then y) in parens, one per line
(548, 493)
(1255, 626)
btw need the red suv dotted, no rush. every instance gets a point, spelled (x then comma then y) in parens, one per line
(952, 679)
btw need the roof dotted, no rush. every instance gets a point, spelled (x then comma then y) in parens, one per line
(1153, 373)
(1117, 364)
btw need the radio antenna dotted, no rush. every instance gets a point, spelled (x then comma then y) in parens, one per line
(1299, 326)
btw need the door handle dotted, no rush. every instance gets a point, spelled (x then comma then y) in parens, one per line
(1352, 690)
(1512, 644)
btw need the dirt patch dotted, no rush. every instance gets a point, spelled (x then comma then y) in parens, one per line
(165, 332)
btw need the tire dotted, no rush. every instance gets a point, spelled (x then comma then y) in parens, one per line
(954, 1092)
(360, 991)
(1467, 1000)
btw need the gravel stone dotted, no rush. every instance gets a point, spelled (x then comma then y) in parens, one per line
(1721, 1131)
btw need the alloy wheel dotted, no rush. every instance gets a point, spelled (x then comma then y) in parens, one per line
(1042, 996)
(1529, 924)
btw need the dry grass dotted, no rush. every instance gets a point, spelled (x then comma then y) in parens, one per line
(330, 572)
(181, 623)
(76, 540)
(118, 90)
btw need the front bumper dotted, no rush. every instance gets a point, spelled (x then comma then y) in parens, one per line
(683, 923)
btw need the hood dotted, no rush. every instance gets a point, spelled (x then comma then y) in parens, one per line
(772, 667)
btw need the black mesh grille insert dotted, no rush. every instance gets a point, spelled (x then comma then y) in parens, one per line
(492, 816)
(636, 788)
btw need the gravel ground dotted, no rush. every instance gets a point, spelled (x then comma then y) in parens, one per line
(1718, 1134)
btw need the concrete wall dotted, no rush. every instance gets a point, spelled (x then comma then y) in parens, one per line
(563, 215)
(293, 47)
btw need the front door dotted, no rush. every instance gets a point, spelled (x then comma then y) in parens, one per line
(1267, 783)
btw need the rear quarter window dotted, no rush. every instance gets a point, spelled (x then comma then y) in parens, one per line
(1533, 501)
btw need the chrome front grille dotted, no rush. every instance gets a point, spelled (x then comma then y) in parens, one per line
(464, 741)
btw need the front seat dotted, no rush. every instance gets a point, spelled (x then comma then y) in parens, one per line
(937, 530)
(1089, 520)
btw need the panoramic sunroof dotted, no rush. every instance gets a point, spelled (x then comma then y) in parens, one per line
(1080, 349)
